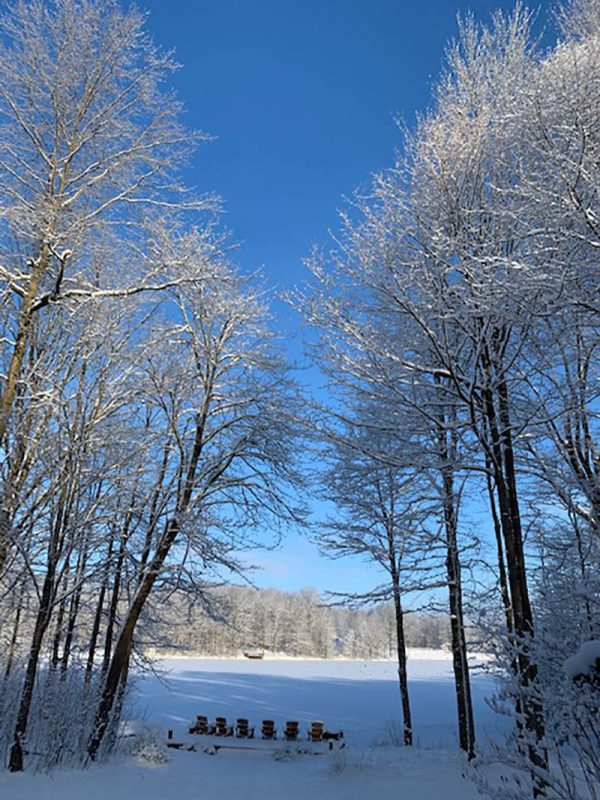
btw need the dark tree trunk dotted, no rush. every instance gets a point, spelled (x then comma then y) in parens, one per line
(502, 579)
(500, 450)
(114, 604)
(583, 571)
(89, 667)
(394, 554)
(5, 524)
(60, 617)
(47, 599)
(12, 647)
(460, 662)
(74, 609)
(402, 661)
(70, 631)
(154, 515)
(462, 680)
(15, 762)
(119, 663)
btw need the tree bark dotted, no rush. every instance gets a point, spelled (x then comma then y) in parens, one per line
(12, 647)
(462, 681)
(89, 667)
(24, 324)
(402, 662)
(15, 762)
(58, 631)
(119, 663)
(500, 449)
(114, 603)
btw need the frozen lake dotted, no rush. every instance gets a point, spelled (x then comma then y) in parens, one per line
(356, 696)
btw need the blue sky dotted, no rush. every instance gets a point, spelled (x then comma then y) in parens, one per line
(302, 98)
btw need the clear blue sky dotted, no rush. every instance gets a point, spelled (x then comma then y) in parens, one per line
(302, 96)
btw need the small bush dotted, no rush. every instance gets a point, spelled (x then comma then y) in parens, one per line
(393, 734)
(148, 745)
(337, 762)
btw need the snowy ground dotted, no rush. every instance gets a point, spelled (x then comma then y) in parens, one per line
(358, 697)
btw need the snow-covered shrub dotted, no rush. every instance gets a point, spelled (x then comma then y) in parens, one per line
(393, 734)
(290, 753)
(357, 759)
(571, 743)
(61, 719)
(148, 744)
(566, 652)
(337, 762)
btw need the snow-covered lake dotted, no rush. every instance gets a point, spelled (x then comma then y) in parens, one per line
(358, 697)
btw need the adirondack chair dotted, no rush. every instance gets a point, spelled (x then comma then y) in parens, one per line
(222, 728)
(291, 731)
(243, 730)
(268, 729)
(315, 732)
(201, 725)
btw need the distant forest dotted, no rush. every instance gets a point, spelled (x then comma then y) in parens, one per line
(292, 623)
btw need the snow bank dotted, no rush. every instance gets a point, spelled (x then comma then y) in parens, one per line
(586, 660)
(418, 775)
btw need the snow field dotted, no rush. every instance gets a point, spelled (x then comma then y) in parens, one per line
(357, 697)
(360, 698)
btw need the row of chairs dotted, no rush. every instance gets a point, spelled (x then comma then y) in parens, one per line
(268, 730)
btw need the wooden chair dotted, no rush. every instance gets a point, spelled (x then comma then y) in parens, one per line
(268, 729)
(222, 728)
(201, 725)
(243, 729)
(315, 732)
(291, 731)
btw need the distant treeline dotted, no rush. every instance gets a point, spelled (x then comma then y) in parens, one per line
(293, 623)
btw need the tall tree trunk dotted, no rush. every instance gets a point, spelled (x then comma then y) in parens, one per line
(58, 631)
(70, 630)
(24, 325)
(583, 571)
(5, 527)
(15, 762)
(460, 662)
(394, 554)
(462, 681)
(93, 643)
(74, 607)
(402, 663)
(114, 604)
(447, 449)
(502, 579)
(12, 647)
(119, 663)
(48, 596)
(501, 453)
